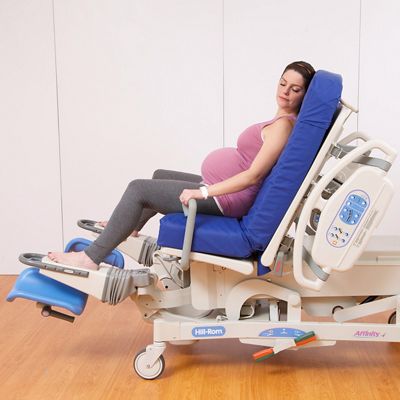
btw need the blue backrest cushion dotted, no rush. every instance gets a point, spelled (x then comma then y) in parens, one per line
(281, 185)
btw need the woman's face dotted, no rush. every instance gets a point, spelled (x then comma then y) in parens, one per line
(290, 91)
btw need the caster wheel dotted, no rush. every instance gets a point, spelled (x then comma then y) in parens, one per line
(392, 318)
(336, 308)
(146, 372)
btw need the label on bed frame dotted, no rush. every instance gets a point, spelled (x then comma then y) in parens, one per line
(208, 331)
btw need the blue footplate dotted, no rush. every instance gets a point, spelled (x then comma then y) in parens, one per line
(32, 285)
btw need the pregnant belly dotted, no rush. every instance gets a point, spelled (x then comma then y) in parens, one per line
(221, 164)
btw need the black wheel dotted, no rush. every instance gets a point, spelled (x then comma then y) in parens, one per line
(144, 370)
(392, 318)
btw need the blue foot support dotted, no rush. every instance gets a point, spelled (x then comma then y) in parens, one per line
(115, 258)
(32, 285)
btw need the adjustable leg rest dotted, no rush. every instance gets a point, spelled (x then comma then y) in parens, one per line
(48, 292)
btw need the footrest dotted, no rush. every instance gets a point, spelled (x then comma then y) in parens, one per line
(32, 285)
(115, 258)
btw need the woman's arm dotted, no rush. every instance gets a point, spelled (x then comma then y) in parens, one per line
(275, 139)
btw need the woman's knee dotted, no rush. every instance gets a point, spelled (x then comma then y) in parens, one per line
(134, 185)
(136, 190)
(160, 174)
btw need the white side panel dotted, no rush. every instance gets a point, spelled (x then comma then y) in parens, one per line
(141, 88)
(379, 88)
(262, 37)
(29, 170)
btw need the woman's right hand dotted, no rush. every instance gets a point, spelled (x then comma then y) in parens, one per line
(188, 194)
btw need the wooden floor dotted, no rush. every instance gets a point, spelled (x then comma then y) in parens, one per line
(49, 359)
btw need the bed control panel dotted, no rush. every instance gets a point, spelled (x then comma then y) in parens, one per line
(354, 207)
(348, 218)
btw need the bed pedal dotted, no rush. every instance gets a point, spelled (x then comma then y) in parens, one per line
(297, 342)
(264, 354)
(306, 338)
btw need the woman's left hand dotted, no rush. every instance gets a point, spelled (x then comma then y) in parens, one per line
(188, 194)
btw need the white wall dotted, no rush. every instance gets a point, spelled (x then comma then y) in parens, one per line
(262, 37)
(380, 86)
(150, 84)
(30, 211)
(140, 88)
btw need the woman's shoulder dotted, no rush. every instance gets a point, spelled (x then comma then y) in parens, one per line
(285, 118)
(283, 121)
(281, 126)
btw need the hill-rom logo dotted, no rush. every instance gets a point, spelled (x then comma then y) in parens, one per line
(208, 331)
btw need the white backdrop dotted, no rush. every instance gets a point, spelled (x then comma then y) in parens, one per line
(30, 208)
(379, 81)
(96, 93)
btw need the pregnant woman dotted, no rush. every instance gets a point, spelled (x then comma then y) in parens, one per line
(229, 182)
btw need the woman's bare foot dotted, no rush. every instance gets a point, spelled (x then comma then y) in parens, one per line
(104, 224)
(74, 259)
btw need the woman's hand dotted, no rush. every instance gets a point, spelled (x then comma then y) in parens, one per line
(188, 194)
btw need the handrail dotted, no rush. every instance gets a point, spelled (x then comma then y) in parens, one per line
(190, 213)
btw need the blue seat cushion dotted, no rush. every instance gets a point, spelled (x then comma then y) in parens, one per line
(252, 233)
(212, 234)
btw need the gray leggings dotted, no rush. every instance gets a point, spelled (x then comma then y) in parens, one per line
(143, 199)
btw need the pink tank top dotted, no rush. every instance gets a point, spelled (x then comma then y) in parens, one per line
(226, 162)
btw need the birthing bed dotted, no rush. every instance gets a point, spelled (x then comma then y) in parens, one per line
(302, 246)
